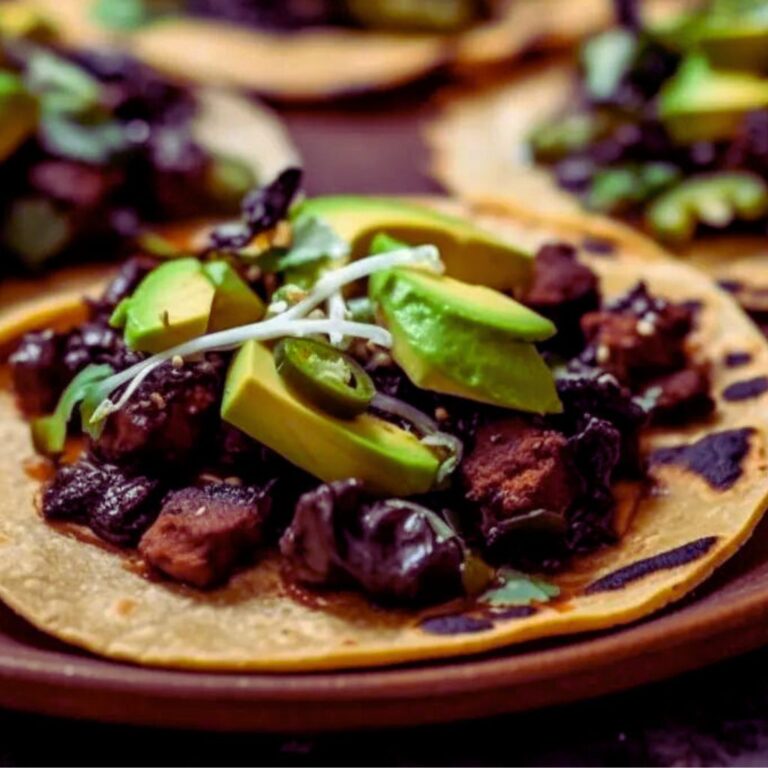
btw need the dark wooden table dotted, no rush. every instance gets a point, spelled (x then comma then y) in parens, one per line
(717, 716)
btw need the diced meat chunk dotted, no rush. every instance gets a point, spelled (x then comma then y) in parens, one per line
(682, 396)
(517, 467)
(203, 534)
(36, 372)
(117, 506)
(170, 421)
(393, 550)
(76, 184)
(563, 290)
(638, 337)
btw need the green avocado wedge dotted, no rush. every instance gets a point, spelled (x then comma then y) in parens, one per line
(703, 104)
(234, 302)
(388, 459)
(18, 113)
(466, 340)
(183, 299)
(170, 306)
(469, 252)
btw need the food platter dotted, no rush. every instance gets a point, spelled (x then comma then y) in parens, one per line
(727, 617)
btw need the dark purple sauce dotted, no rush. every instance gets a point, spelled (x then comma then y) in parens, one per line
(599, 246)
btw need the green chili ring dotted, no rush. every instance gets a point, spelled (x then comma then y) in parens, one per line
(324, 376)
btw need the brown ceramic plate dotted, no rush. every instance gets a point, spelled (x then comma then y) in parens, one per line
(728, 616)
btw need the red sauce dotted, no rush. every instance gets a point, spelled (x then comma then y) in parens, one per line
(39, 468)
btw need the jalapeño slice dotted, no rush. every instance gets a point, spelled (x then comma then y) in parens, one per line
(324, 376)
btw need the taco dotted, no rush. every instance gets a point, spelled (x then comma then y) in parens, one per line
(296, 50)
(659, 125)
(276, 451)
(94, 143)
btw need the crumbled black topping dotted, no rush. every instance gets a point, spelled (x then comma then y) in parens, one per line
(96, 185)
(118, 506)
(262, 209)
(169, 422)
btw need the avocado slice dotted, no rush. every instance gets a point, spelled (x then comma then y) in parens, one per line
(182, 299)
(465, 340)
(18, 113)
(716, 200)
(703, 104)
(470, 253)
(388, 459)
(171, 305)
(731, 33)
(234, 302)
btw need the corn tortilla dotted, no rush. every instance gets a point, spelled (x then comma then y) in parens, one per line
(91, 597)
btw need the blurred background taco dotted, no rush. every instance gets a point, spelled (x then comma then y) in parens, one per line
(311, 49)
(94, 145)
(660, 124)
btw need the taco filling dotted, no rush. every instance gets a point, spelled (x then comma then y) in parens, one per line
(441, 16)
(93, 144)
(347, 381)
(668, 126)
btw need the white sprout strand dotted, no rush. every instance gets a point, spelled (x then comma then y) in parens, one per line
(431, 435)
(337, 310)
(423, 423)
(335, 280)
(455, 450)
(283, 324)
(255, 332)
(107, 406)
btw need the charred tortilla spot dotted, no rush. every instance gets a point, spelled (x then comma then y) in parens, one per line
(747, 389)
(664, 561)
(717, 458)
(731, 286)
(599, 246)
(515, 612)
(692, 305)
(455, 624)
(737, 359)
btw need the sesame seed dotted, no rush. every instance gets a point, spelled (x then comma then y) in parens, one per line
(233, 481)
(177, 361)
(645, 328)
(441, 414)
(200, 511)
(158, 400)
(603, 354)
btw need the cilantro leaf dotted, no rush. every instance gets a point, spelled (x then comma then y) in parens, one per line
(313, 240)
(49, 433)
